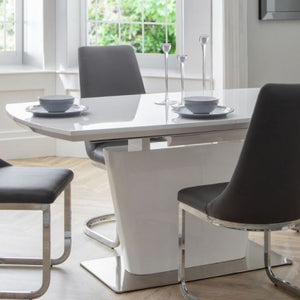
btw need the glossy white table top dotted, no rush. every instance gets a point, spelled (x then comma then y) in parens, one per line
(136, 116)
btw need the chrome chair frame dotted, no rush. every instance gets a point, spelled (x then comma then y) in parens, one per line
(266, 228)
(46, 262)
(100, 237)
(96, 221)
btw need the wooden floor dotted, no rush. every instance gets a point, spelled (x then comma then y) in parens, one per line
(70, 282)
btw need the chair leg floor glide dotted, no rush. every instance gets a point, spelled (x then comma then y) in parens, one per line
(46, 262)
(99, 237)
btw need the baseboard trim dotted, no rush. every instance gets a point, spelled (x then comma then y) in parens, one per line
(25, 144)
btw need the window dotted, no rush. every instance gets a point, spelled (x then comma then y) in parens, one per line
(108, 22)
(10, 31)
(145, 24)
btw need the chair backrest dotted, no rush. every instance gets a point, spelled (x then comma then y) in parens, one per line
(265, 187)
(109, 71)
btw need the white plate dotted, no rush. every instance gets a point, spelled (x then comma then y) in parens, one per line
(39, 111)
(220, 111)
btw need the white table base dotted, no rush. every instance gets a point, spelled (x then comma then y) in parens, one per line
(112, 273)
(144, 186)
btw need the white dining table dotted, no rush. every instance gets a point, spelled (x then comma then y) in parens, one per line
(145, 178)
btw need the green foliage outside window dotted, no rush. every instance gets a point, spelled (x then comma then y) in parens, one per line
(7, 25)
(109, 23)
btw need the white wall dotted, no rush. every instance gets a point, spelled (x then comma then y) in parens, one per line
(197, 22)
(16, 141)
(273, 49)
(218, 53)
(33, 33)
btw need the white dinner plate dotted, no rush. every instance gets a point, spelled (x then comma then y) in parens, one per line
(218, 112)
(39, 111)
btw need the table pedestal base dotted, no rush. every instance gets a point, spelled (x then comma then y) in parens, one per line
(112, 273)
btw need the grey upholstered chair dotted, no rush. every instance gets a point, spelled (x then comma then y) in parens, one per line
(107, 71)
(264, 192)
(23, 188)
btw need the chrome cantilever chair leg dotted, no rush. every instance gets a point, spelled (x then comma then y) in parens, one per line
(89, 224)
(67, 229)
(46, 262)
(46, 256)
(277, 281)
(267, 261)
(99, 237)
(181, 240)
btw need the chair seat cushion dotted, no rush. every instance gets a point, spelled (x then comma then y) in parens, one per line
(32, 185)
(198, 197)
(95, 149)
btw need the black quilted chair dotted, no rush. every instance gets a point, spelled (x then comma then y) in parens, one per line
(264, 191)
(23, 188)
(107, 71)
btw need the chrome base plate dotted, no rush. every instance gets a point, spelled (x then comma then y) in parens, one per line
(112, 273)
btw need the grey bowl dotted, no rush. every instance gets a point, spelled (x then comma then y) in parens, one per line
(56, 103)
(201, 104)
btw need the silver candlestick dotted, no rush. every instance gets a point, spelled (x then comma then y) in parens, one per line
(203, 39)
(166, 49)
(181, 59)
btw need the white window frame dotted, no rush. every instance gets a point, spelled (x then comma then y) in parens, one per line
(15, 57)
(146, 60)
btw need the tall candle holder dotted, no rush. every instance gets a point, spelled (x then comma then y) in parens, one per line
(181, 59)
(166, 47)
(203, 39)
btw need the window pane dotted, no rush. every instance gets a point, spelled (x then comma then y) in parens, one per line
(92, 34)
(127, 21)
(7, 25)
(131, 10)
(172, 38)
(1, 37)
(107, 34)
(92, 10)
(132, 34)
(10, 10)
(10, 37)
(1, 11)
(108, 10)
(154, 36)
(172, 11)
(154, 11)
